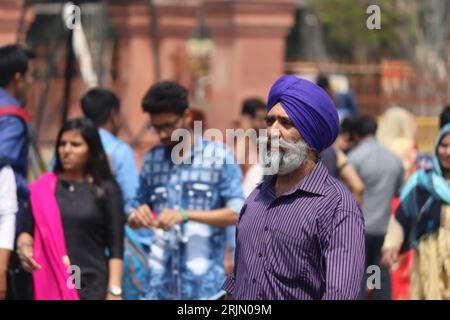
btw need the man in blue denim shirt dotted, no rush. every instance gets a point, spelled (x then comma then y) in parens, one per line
(185, 200)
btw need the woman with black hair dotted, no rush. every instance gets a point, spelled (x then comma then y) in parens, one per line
(73, 232)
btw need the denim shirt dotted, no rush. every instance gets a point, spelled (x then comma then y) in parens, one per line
(187, 261)
(14, 149)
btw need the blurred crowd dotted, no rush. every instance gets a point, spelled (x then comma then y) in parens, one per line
(167, 231)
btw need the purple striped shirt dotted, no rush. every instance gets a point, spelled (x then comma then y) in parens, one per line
(306, 244)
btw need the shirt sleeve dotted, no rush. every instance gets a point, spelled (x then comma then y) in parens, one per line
(341, 159)
(115, 220)
(352, 159)
(14, 137)
(13, 133)
(28, 220)
(345, 256)
(228, 285)
(8, 208)
(126, 174)
(230, 185)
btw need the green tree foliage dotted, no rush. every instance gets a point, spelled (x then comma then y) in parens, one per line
(345, 31)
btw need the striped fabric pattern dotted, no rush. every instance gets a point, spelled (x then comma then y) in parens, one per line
(306, 244)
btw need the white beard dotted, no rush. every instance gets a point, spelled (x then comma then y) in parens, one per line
(282, 162)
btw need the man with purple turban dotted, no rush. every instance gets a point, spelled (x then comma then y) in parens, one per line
(300, 234)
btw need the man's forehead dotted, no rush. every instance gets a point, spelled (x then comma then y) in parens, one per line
(278, 111)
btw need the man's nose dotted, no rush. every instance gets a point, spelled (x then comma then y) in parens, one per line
(273, 131)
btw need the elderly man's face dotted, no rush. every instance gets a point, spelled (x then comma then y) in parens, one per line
(278, 123)
(284, 150)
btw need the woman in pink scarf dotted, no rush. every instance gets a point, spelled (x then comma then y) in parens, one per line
(73, 232)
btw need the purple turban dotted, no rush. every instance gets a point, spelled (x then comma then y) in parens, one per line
(309, 107)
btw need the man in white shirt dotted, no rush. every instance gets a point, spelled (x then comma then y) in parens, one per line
(8, 210)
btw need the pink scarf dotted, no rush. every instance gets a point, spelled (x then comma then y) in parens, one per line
(52, 281)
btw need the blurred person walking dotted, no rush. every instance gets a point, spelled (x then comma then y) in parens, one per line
(382, 173)
(15, 79)
(253, 117)
(335, 159)
(422, 221)
(425, 160)
(186, 198)
(103, 107)
(397, 131)
(75, 222)
(346, 103)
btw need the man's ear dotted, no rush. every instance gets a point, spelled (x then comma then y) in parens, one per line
(246, 122)
(15, 80)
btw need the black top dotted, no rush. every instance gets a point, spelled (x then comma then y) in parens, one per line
(93, 224)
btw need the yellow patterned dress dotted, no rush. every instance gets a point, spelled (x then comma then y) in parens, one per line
(430, 277)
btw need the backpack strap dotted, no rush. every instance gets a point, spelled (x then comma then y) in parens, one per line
(15, 111)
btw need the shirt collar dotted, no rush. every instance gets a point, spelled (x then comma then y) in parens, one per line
(313, 182)
(105, 133)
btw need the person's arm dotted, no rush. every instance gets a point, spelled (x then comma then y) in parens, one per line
(218, 218)
(25, 244)
(8, 210)
(349, 176)
(140, 214)
(115, 267)
(114, 236)
(392, 242)
(354, 183)
(4, 261)
(13, 137)
(395, 236)
(344, 256)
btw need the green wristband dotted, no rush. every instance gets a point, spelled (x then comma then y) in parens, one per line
(184, 214)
